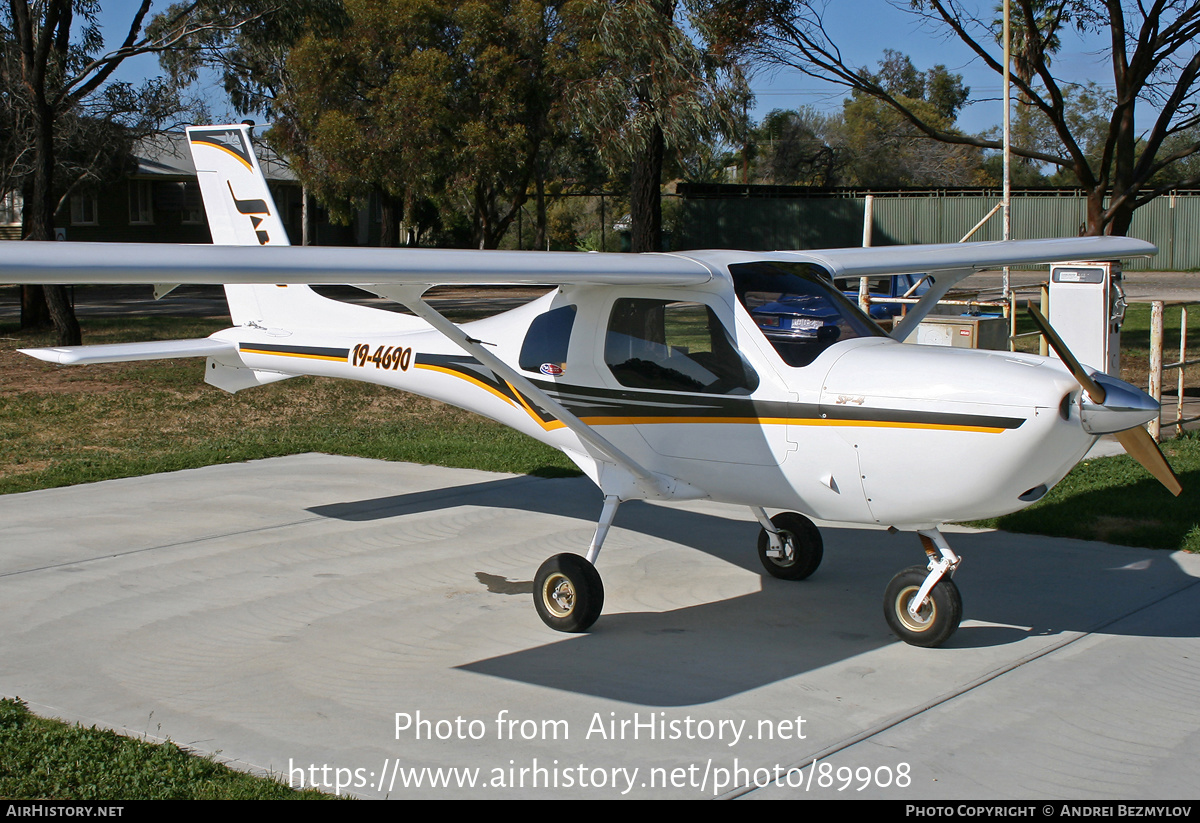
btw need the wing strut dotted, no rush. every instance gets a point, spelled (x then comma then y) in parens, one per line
(939, 283)
(654, 485)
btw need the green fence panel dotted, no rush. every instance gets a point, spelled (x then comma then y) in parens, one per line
(833, 221)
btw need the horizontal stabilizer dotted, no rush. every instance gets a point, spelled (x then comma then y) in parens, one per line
(125, 352)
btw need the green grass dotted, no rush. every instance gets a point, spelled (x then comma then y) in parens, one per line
(42, 758)
(1115, 500)
(63, 426)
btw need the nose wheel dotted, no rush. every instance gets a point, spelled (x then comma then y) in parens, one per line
(922, 605)
(929, 624)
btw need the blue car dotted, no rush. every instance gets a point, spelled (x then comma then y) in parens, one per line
(798, 316)
(883, 288)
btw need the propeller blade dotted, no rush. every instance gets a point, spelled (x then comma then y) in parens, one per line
(1141, 447)
(1093, 389)
(1137, 441)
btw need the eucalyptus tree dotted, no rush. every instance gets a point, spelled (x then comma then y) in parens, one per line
(62, 102)
(1152, 50)
(644, 84)
(417, 99)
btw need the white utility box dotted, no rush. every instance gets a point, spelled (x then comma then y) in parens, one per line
(965, 331)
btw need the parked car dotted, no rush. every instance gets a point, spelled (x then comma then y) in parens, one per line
(883, 288)
(802, 316)
(801, 326)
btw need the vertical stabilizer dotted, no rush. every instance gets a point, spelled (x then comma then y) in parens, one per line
(240, 209)
(239, 205)
(241, 212)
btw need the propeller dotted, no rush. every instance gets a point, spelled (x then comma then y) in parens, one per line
(1137, 441)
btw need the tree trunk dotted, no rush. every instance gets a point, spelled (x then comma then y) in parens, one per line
(645, 196)
(40, 225)
(1124, 171)
(63, 315)
(1120, 220)
(35, 314)
(391, 212)
(482, 215)
(1094, 227)
(305, 218)
(539, 239)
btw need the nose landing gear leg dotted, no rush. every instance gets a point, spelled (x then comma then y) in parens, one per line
(922, 605)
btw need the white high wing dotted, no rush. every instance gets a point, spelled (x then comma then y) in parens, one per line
(744, 377)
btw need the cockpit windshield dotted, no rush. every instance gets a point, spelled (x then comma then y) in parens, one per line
(798, 308)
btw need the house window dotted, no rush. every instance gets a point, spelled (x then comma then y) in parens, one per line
(193, 205)
(11, 206)
(141, 203)
(83, 210)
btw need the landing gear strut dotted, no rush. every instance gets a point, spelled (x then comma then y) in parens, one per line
(567, 591)
(922, 605)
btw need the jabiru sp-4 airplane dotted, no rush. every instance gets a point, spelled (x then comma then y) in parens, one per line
(743, 377)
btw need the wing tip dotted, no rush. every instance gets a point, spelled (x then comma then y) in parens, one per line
(50, 355)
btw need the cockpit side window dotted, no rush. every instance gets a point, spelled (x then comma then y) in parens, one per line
(798, 308)
(545, 346)
(674, 346)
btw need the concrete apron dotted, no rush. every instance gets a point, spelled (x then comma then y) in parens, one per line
(360, 624)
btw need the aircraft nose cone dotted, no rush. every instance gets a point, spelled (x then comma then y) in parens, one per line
(1124, 407)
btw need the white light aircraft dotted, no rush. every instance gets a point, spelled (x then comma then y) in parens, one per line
(744, 377)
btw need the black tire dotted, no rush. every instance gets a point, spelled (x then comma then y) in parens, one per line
(939, 618)
(805, 544)
(568, 593)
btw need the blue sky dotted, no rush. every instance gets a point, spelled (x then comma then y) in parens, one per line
(862, 28)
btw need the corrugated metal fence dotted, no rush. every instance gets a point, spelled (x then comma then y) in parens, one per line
(717, 217)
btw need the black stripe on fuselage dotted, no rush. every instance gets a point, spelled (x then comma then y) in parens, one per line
(320, 352)
(598, 404)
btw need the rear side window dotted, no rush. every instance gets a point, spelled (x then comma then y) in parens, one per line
(674, 346)
(545, 347)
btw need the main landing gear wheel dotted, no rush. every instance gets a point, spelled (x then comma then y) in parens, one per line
(568, 593)
(934, 622)
(802, 547)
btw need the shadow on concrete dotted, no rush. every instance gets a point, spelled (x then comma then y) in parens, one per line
(1014, 587)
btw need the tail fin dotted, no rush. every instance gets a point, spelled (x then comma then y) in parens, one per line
(241, 212)
(239, 205)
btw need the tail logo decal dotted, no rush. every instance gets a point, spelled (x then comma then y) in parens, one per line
(227, 140)
(252, 208)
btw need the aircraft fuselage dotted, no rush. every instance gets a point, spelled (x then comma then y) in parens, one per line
(869, 431)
